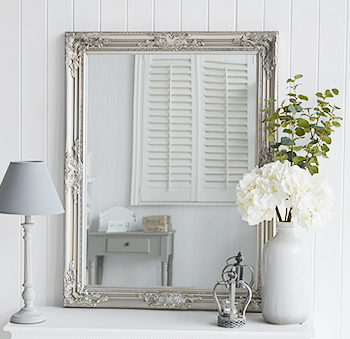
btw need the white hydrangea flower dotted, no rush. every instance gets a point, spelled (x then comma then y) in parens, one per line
(260, 191)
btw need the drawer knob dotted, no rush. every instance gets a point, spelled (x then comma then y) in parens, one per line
(127, 244)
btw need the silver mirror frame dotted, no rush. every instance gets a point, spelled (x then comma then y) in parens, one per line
(78, 46)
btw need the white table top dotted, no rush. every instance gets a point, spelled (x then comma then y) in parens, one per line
(131, 323)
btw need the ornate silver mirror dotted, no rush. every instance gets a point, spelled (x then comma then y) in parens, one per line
(160, 128)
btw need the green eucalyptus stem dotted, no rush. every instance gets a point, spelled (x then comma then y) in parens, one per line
(305, 130)
(278, 214)
(289, 219)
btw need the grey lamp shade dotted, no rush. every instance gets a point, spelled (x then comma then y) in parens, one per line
(27, 189)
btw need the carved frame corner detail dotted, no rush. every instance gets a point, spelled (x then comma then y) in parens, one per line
(75, 294)
(77, 44)
(265, 43)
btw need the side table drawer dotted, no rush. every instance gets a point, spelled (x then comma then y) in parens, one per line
(128, 245)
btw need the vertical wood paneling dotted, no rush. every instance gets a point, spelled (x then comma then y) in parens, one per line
(86, 15)
(304, 45)
(303, 60)
(10, 89)
(59, 14)
(331, 74)
(113, 15)
(167, 15)
(250, 15)
(222, 15)
(345, 290)
(33, 67)
(34, 119)
(194, 15)
(280, 23)
(140, 15)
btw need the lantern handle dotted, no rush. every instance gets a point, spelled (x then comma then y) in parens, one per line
(216, 299)
(248, 300)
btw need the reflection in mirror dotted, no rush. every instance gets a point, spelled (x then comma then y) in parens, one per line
(167, 135)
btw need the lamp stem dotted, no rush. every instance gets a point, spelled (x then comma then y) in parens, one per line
(28, 314)
(28, 293)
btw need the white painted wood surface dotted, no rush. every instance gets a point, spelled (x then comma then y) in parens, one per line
(314, 41)
(153, 324)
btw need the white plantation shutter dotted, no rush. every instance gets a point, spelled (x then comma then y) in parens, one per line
(191, 135)
(229, 111)
(167, 119)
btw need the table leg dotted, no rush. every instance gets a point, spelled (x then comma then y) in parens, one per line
(92, 272)
(99, 269)
(164, 280)
(170, 271)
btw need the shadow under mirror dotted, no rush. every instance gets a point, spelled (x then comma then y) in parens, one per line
(170, 136)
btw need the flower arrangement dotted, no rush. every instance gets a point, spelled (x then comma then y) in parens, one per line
(305, 197)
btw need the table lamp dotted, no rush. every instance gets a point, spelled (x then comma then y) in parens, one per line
(27, 189)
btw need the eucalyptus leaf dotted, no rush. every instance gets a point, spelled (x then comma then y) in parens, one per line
(303, 122)
(324, 148)
(298, 159)
(299, 131)
(326, 139)
(287, 141)
(328, 93)
(312, 169)
(292, 109)
(303, 97)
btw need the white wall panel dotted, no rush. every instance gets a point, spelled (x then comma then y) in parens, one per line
(34, 119)
(167, 15)
(345, 244)
(280, 23)
(303, 60)
(10, 110)
(87, 15)
(113, 16)
(194, 15)
(222, 15)
(304, 46)
(140, 15)
(331, 74)
(250, 15)
(59, 21)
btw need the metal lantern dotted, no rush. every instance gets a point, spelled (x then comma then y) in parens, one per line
(230, 314)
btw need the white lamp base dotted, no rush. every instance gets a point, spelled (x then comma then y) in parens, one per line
(25, 316)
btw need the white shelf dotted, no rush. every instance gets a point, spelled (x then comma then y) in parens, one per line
(78, 323)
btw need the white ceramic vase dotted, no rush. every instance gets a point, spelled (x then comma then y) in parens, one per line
(286, 278)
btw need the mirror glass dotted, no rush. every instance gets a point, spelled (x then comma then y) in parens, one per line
(211, 100)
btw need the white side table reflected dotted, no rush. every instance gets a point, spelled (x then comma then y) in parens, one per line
(159, 244)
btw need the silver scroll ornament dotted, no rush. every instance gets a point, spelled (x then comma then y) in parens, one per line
(77, 44)
(265, 43)
(171, 41)
(77, 295)
(169, 300)
(73, 171)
